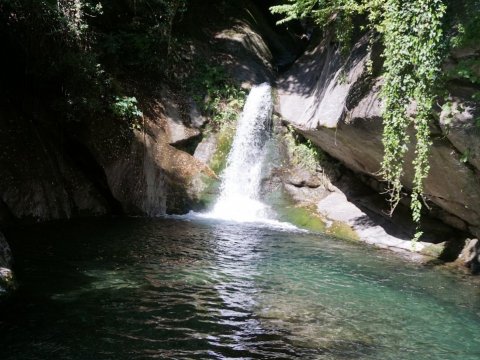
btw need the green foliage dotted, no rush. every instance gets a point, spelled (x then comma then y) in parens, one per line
(415, 44)
(126, 108)
(216, 94)
(465, 156)
(48, 47)
(477, 122)
(467, 70)
(465, 23)
(414, 50)
(302, 152)
(70, 52)
(325, 13)
(138, 35)
(224, 136)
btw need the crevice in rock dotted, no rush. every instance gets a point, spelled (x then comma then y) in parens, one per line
(85, 162)
(188, 145)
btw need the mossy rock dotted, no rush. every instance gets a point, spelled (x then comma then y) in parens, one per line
(302, 217)
(434, 250)
(343, 231)
(224, 144)
(209, 194)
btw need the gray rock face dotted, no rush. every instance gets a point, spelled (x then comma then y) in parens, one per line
(316, 90)
(470, 255)
(206, 149)
(336, 207)
(342, 115)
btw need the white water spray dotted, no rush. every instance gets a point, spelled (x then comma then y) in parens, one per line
(240, 189)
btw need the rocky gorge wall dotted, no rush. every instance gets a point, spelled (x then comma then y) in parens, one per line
(52, 169)
(103, 166)
(335, 102)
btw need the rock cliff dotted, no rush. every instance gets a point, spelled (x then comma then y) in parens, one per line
(54, 169)
(336, 104)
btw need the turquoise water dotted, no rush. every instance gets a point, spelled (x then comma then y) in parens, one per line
(173, 289)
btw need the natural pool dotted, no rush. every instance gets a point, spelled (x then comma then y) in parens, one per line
(177, 289)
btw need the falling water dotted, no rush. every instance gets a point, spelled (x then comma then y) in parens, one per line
(240, 189)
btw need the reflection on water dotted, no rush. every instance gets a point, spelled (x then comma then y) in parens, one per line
(139, 289)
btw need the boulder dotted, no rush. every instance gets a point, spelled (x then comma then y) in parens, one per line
(145, 173)
(304, 186)
(470, 255)
(206, 148)
(338, 209)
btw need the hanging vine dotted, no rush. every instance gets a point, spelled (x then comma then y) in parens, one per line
(413, 40)
(414, 46)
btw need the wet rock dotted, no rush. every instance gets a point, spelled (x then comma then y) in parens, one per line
(151, 177)
(305, 194)
(197, 120)
(299, 177)
(336, 207)
(470, 255)
(178, 133)
(305, 186)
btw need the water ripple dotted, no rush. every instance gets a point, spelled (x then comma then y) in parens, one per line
(137, 289)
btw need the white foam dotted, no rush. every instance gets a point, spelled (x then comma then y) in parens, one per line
(240, 190)
(239, 199)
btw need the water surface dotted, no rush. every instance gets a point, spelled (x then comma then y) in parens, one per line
(173, 289)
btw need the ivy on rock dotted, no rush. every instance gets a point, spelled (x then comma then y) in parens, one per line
(413, 38)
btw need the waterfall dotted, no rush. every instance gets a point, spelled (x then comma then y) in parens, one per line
(240, 188)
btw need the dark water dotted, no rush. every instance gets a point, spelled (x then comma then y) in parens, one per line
(171, 289)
